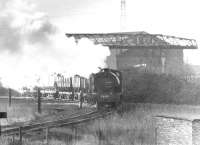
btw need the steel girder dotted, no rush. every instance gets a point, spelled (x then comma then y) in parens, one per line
(129, 40)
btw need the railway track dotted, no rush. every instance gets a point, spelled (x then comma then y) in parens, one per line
(61, 121)
(60, 115)
(51, 117)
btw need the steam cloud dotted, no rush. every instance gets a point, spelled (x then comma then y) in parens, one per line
(32, 47)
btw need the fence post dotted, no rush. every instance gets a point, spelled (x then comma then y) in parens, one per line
(81, 99)
(72, 88)
(0, 128)
(156, 136)
(39, 100)
(100, 136)
(74, 134)
(47, 134)
(13, 138)
(20, 135)
(9, 95)
(2, 115)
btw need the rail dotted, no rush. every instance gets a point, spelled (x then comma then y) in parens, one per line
(60, 122)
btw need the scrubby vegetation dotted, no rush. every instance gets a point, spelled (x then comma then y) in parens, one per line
(132, 127)
(152, 94)
(135, 125)
(159, 88)
(19, 111)
(4, 91)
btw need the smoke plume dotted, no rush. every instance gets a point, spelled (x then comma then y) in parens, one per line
(32, 47)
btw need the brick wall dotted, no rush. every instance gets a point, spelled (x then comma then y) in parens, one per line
(196, 132)
(173, 131)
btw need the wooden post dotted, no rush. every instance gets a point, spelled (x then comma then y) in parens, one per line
(156, 133)
(71, 134)
(74, 135)
(72, 139)
(20, 135)
(9, 96)
(81, 99)
(13, 138)
(39, 100)
(2, 115)
(0, 127)
(47, 134)
(71, 88)
(99, 133)
(100, 136)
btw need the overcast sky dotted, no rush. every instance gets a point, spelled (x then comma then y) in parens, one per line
(30, 41)
(170, 17)
(82, 15)
(157, 16)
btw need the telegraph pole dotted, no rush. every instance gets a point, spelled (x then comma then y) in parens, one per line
(39, 100)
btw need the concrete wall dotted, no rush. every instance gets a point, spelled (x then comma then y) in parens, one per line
(196, 132)
(151, 58)
(139, 57)
(173, 131)
(174, 61)
(177, 131)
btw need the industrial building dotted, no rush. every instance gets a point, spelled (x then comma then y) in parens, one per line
(148, 52)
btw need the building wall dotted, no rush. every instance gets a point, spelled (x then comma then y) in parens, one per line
(111, 61)
(152, 60)
(174, 63)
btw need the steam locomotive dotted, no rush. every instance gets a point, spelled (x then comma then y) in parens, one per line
(106, 86)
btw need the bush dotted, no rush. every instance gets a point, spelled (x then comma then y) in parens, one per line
(152, 88)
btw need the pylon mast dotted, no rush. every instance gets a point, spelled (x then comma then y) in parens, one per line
(123, 16)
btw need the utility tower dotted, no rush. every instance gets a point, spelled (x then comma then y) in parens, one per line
(122, 21)
(123, 16)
